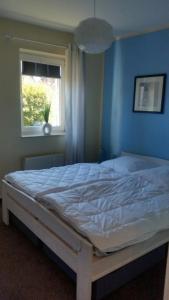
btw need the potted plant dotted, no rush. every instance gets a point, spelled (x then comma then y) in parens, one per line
(47, 127)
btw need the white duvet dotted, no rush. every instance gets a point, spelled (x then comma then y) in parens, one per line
(39, 182)
(118, 213)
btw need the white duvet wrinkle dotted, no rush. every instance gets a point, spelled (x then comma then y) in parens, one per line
(38, 182)
(92, 194)
(116, 213)
(112, 211)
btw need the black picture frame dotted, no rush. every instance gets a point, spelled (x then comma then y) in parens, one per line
(149, 93)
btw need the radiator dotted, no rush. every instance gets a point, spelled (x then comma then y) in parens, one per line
(43, 161)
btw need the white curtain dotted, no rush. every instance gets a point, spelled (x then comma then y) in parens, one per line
(75, 108)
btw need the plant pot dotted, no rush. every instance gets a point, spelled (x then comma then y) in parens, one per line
(47, 129)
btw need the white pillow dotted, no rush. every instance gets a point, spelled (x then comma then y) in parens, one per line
(126, 164)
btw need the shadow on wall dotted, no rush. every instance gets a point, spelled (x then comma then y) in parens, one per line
(113, 101)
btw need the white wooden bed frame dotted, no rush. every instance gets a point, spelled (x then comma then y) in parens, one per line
(70, 246)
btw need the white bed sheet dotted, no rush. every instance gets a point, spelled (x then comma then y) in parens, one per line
(118, 213)
(39, 182)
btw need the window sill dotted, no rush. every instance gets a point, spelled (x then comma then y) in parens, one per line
(42, 135)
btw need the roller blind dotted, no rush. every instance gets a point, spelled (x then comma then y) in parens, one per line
(42, 70)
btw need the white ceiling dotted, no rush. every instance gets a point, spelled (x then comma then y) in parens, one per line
(126, 16)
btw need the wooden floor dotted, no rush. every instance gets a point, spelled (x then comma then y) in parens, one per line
(27, 273)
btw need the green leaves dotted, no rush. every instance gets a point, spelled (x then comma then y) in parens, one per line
(46, 112)
(36, 108)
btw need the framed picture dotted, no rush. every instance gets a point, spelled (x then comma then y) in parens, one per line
(149, 93)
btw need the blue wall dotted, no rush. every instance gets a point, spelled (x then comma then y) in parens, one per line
(124, 130)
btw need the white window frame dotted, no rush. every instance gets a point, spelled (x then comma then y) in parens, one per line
(45, 58)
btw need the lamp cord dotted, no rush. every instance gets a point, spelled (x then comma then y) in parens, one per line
(94, 9)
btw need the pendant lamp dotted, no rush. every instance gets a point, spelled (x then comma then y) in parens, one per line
(93, 35)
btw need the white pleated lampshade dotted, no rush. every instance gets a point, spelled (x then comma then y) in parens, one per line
(93, 35)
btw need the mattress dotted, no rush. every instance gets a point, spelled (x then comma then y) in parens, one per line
(117, 213)
(38, 182)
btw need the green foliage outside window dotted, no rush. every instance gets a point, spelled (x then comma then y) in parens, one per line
(34, 100)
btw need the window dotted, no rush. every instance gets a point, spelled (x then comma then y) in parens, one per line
(42, 86)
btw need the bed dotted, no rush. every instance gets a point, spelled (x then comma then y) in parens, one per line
(77, 249)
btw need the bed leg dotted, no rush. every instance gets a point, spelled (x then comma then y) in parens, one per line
(166, 285)
(84, 274)
(5, 211)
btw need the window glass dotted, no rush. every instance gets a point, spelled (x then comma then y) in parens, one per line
(42, 94)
